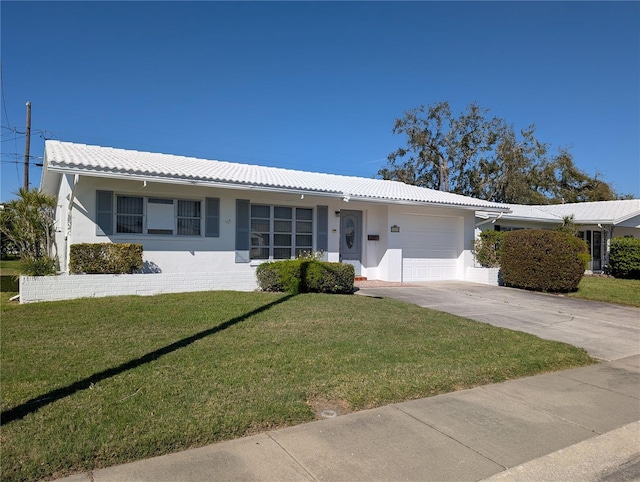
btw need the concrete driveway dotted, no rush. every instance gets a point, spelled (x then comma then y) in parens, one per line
(606, 331)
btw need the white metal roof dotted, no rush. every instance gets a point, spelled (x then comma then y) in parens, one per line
(68, 157)
(522, 212)
(610, 212)
(599, 212)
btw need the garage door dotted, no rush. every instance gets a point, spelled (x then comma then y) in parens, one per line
(431, 246)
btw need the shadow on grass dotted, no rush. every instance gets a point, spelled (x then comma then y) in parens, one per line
(31, 406)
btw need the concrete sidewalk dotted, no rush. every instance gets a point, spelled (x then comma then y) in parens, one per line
(579, 424)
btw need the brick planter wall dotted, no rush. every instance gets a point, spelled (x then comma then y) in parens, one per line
(66, 287)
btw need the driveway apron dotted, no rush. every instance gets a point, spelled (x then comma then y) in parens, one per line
(606, 331)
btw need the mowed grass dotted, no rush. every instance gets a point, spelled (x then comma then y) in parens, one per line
(9, 270)
(609, 290)
(96, 382)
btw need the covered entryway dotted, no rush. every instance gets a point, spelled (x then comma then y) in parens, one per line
(431, 246)
(595, 241)
(351, 239)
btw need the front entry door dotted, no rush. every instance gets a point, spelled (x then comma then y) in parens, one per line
(594, 242)
(351, 239)
(596, 251)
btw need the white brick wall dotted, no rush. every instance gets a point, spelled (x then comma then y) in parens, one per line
(486, 276)
(66, 287)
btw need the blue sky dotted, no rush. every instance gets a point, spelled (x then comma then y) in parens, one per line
(317, 86)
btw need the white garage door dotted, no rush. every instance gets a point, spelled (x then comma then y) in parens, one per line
(431, 246)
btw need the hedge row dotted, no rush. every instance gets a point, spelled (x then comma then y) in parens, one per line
(624, 258)
(305, 276)
(105, 258)
(540, 260)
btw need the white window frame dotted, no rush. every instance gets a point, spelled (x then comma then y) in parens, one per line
(294, 248)
(146, 218)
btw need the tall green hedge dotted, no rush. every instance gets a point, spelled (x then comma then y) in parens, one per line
(624, 258)
(105, 258)
(305, 276)
(488, 248)
(538, 260)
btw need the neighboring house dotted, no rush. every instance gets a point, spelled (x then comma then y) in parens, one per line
(195, 216)
(597, 222)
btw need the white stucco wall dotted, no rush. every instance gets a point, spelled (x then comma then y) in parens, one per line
(179, 254)
(621, 232)
(381, 259)
(486, 276)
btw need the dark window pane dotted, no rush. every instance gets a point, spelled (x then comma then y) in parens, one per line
(259, 239)
(188, 227)
(282, 240)
(189, 209)
(280, 212)
(303, 227)
(259, 225)
(129, 224)
(281, 253)
(282, 226)
(260, 211)
(259, 253)
(129, 205)
(305, 214)
(303, 240)
(160, 201)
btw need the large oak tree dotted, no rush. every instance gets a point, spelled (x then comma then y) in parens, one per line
(477, 155)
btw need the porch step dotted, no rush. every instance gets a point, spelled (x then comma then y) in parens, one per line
(360, 278)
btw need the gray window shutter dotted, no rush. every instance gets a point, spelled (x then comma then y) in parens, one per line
(242, 231)
(212, 217)
(104, 213)
(322, 229)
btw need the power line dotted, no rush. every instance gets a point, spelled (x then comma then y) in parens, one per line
(4, 103)
(17, 155)
(13, 138)
(19, 162)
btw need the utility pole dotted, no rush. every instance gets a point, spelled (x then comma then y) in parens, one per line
(27, 144)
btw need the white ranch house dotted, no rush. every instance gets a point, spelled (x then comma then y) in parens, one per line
(597, 222)
(197, 217)
(207, 224)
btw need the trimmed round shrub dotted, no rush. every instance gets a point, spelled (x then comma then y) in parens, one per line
(325, 277)
(624, 258)
(305, 276)
(538, 260)
(284, 276)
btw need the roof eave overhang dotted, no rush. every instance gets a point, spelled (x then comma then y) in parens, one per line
(265, 188)
(593, 221)
(49, 179)
(532, 220)
(622, 219)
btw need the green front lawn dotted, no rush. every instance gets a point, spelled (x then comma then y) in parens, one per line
(96, 382)
(10, 266)
(609, 290)
(9, 270)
